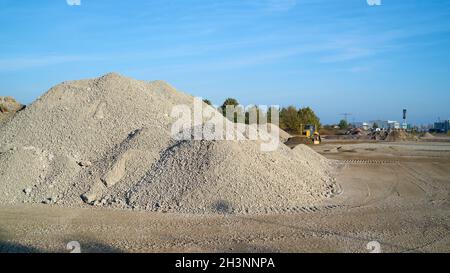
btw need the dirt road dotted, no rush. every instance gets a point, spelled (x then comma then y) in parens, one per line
(395, 194)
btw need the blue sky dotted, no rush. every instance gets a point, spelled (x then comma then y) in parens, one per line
(333, 55)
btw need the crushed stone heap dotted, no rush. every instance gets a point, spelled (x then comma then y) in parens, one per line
(107, 142)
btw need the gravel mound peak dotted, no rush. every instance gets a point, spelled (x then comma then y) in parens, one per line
(427, 135)
(400, 135)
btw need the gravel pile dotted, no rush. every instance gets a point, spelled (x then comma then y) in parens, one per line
(232, 176)
(427, 135)
(8, 107)
(400, 135)
(265, 132)
(9, 104)
(107, 142)
(284, 136)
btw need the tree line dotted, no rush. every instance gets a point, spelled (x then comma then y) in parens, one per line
(291, 118)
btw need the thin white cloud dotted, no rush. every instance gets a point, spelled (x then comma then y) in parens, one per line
(20, 63)
(347, 54)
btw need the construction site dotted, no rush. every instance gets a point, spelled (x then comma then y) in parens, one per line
(94, 162)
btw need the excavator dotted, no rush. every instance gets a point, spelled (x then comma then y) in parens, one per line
(309, 134)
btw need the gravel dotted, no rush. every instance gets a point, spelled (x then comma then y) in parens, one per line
(8, 107)
(107, 142)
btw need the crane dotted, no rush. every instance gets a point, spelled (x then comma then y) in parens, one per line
(346, 115)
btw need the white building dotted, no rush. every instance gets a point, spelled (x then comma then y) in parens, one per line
(386, 124)
(362, 125)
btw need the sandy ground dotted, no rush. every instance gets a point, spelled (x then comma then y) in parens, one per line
(395, 193)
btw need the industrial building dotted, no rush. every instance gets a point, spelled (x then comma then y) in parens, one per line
(442, 126)
(382, 124)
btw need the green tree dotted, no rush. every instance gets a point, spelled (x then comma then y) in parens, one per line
(308, 117)
(231, 102)
(289, 119)
(207, 102)
(343, 124)
(255, 111)
(269, 114)
(375, 126)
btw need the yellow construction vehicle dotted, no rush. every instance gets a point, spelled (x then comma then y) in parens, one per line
(309, 134)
